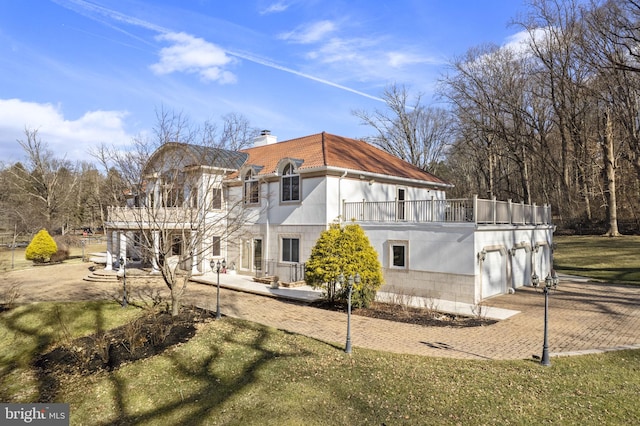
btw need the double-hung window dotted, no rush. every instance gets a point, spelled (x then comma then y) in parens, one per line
(291, 250)
(290, 184)
(251, 188)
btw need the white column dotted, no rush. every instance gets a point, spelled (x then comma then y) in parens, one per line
(109, 265)
(156, 251)
(123, 248)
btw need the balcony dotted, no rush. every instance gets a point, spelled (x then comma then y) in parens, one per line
(149, 218)
(467, 210)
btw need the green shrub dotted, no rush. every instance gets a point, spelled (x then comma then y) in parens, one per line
(345, 250)
(41, 247)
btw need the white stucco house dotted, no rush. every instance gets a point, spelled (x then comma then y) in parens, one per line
(462, 250)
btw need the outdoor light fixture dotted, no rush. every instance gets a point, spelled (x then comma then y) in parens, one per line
(535, 280)
(124, 282)
(350, 281)
(551, 281)
(218, 266)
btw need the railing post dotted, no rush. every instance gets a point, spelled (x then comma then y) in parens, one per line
(535, 216)
(433, 208)
(363, 207)
(475, 208)
(495, 208)
(510, 211)
(524, 216)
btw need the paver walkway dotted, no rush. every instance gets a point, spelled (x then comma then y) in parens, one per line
(583, 317)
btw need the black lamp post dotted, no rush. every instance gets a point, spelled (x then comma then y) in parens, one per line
(350, 282)
(218, 266)
(549, 282)
(124, 282)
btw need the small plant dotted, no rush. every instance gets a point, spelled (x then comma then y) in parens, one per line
(41, 247)
(60, 255)
(479, 310)
(101, 345)
(133, 336)
(9, 295)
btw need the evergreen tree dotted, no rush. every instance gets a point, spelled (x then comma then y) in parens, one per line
(41, 247)
(345, 250)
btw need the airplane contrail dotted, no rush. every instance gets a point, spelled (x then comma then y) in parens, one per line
(89, 9)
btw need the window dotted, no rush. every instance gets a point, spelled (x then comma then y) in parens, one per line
(215, 247)
(290, 184)
(398, 254)
(216, 199)
(251, 188)
(291, 250)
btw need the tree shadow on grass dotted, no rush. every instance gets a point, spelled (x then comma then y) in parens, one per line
(215, 386)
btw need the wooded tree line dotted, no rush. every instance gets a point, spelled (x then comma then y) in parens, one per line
(555, 119)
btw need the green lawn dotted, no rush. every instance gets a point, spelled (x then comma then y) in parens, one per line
(601, 258)
(239, 373)
(15, 257)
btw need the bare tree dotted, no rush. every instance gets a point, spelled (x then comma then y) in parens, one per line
(43, 186)
(237, 132)
(178, 215)
(407, 129)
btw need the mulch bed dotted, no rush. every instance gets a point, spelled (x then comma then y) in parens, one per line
(147, 336)
(408, 314)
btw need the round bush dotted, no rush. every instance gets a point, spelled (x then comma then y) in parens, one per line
(41, 247)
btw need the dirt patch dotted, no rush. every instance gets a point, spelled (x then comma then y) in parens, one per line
(408, 314)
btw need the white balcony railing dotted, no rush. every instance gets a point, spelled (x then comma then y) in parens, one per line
(466, 210)
(143, 217)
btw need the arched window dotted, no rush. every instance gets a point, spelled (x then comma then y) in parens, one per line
(251, 188)
(290, 184)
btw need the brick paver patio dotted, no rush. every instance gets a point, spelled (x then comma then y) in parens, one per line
(583, 317)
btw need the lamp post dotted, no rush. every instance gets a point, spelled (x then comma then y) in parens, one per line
(551, 281)
(350, 282)
(218, 266)
(124, 282)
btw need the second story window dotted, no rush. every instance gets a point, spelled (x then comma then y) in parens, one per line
(216, 198)
(251, 188)
(290, 184)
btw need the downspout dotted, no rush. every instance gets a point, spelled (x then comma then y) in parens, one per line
(340, 203)
(266, 246)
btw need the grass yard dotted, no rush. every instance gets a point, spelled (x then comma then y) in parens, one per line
(15, 257)
(238, 373)
(615, 260)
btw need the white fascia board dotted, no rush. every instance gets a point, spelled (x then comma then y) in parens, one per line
(369, 175)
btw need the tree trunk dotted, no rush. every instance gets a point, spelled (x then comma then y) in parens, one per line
(610, 177)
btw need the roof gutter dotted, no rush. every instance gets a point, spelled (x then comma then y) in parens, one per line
(340, 170)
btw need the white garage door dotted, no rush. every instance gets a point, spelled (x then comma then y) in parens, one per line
(521, 267)
(494, 278)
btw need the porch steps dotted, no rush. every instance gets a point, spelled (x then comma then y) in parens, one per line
(102, 276)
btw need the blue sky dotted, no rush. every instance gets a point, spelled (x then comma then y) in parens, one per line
(91, 72)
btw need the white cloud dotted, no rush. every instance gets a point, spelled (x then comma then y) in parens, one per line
(311, 33)
(520, 41)
(193, 55)
(276, 7)
(65, 138)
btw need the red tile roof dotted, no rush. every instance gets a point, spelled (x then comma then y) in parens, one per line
(325, 149)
